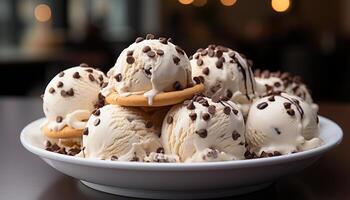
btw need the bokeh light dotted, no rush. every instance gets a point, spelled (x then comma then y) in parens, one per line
(228, 2)
(186, 2)
(280, 5)
(42, 13)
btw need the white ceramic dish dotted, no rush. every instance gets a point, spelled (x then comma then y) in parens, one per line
(179, 180)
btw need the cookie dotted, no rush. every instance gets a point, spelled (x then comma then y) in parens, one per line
(161, 99)
(66, 133)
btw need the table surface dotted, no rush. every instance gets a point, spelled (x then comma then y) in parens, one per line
(25, 176)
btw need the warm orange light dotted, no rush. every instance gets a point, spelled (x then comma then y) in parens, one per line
(280, 5)
(228, 2)
(200, 3)
(186, 2)
(42, 13)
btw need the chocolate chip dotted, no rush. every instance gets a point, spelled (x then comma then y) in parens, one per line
(197, 80)
(202, 133)
(277, 131)
(218, 53)
(193, 116)
(100, 78)
(103, 84)
(63, 93)
(139, 39)
(149, 36)
(59, 119)
(130, 60)
(291, 112)
(235, 135)
(191, 106)
(160, 150)
(206, 71)
(91, 77)
(70, 92)
(84, 65)
(61, 74)
(86, 131)
(205, 103)
(204, 52)
(219, 64)
(211, 53)
(229, 94)
(262, 105)
(287, 105)
(52, 90)
(277, 84)
(206, 116)
(163, 40)
(97, 121)
(114, 158)
(76, 75)
(227, 110)
(179, 50)
(177, 85)
(59, 84)
(146, 49)
(216, 99)
(169, 119)
(176, 60)
(271, 98)
(118, 77)
(212, 109)
(160, 52)
(199, 62)
(276, 153)
(151, 54)
(149, 124)
(97, 112)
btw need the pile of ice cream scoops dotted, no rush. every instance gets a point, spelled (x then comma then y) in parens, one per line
(158, 105)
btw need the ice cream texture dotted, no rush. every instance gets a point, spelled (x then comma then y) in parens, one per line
(71, 96)
(203, 130)
(149, 66)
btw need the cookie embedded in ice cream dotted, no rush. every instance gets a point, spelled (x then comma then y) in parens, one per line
(272, 82)
(150, 72)
(68, 101)
(281, 124)
(204, 129)
(224, 72)
(120, 133)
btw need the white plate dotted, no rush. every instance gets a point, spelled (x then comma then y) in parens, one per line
(179, 180)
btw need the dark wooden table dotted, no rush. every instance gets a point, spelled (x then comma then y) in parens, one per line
(25, 176)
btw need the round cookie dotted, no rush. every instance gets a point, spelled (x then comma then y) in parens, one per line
(65, 133)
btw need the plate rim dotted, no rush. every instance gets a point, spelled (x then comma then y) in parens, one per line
(141, 166)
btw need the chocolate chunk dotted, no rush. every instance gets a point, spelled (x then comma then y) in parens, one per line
(235, 111)
(193, 116)
(103, 84)
(160, 150)
(149, 36)
(118, 77)
(130, 60)
(97, 112)
(91, 77)
(100, 78)
(287, 105)
(191, 106)
(197, 80)
(55, 147)
(169, 119)
(222, 59)
(179, 50)
(114, 158)
(205, 103)
(52, 90)
(73, 152)
(229, 94)
(59, 84)
(59, 119)
(63, 93)
(218, 53)
(151, 54)
(262, 105)
(212, 109)
(277, 131)
(160, 52)
(216, 99)
(205, 71)
(227, 110)
(86, 131)
(206, 116)
(148, 124)
(271, 98)
(163, 40)
(97, 122)
(277, 84)
(176, 60)
(61, 74)
(84, 65)
(211, 53)
(199, 62)
(177, 85)
(76, 75)
(276, 153)
(291, 112)
(146, 49)
(70, 92)
(139, 39)
(202, 133)
(235, 135)
(219, 64)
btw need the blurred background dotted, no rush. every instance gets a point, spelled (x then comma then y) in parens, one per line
(39, 38)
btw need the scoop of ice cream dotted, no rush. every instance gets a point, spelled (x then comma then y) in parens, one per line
(203, 129)
(272, 82)
(150, 67)
(225, 73)
(281, 124)
(120, 133)
(71, 96)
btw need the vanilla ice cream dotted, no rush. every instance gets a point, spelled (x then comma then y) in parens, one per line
(71, 96)
(281, 124)
(149, 67)
(120, 133)
(224, 72)
(203, 129)
(272, 82)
